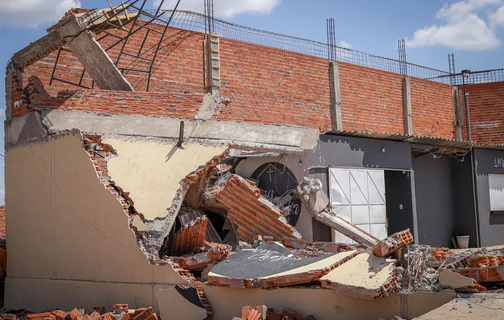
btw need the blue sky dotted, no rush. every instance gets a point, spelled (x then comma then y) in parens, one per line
(471, 29)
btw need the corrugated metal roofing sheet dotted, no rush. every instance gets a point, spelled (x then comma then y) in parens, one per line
(425, 140)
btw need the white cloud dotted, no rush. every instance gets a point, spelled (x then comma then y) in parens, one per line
(33, 13)
(464, 27)
(497, 18)
(225, 8)
(345, 45)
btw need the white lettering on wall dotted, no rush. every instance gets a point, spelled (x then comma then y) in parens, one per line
(498, 162)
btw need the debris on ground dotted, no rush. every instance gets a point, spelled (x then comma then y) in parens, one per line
(265, 313)
(118, 312)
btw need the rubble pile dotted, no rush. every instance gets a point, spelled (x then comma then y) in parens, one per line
(119, 312)
(228, 232)
(265, 313)
(463, 270)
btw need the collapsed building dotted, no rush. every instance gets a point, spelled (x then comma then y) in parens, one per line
(150, 160)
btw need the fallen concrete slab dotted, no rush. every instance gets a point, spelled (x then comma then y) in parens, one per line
(272, 265)
(365, 276)
(457, 282)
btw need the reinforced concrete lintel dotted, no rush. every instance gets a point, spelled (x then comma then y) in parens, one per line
(236, 134)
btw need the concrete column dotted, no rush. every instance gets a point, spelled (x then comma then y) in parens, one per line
(406, 97)
(414, 207)
(212, 64)
(92, 56)
(335, 96)
(458, 113)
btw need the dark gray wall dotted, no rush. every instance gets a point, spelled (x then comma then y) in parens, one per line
(463, 204)
(434, 202)
(399, 201)
(491, 226)
(342, 151)
(321, 232)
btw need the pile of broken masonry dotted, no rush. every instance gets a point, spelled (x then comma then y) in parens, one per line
(228, 232)
(119, 312)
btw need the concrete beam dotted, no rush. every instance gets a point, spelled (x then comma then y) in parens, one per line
(237, 134)
(406, 97)
(335, 96)
(38, 49)
(92, 56)
(458, 113)
(314, 198)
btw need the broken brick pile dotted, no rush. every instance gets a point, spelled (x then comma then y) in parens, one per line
(391, 244)
(480, 264)
(119, 312)
(265, 313)
(253, 213)
(191, 238)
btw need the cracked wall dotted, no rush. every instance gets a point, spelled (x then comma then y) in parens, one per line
(72, 235)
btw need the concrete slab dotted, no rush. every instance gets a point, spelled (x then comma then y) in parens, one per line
(365, 276)
(271, 265)
(452, 280)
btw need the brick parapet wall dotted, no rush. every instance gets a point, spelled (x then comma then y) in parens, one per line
(486, 106)
(432, 109)
(371, 99)
(262, 84)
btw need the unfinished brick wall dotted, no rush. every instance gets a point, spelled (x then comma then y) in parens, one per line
(274, 86)
(432, 109)
(262, 84)
(178, 67)
(371, 99)
(486, 105)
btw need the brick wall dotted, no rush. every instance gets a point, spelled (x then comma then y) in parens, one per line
(263, 84)
(178, 67)
(371, 99)
(274, 86)
(486, 105)
(432, 109)
(3, 233)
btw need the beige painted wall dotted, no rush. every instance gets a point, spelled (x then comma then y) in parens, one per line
(248, 166)
(63, 224)
(152, 171)
(322, 304)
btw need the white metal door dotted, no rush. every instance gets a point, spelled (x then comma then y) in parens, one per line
(358, 196)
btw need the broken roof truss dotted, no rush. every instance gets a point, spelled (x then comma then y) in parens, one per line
(125, 20)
